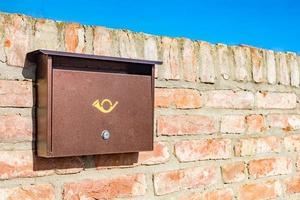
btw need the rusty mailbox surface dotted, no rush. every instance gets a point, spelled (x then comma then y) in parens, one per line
(89, 104)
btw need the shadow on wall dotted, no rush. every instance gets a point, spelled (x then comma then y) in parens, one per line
(69, 164)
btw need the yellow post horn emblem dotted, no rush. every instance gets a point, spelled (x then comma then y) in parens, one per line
(100, 106)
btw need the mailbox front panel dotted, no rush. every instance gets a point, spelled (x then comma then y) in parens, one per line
(85, 103)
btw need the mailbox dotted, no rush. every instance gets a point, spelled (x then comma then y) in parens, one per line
(88, 104)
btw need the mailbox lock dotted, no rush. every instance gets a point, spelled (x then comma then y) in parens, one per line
(105, 135)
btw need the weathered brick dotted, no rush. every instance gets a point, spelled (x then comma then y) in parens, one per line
(126, 43)
(292, 142)
(46, 35)
(150, 48)
(171, 59)
(15, 128)
(189, 61)
(118, 187)
(74, 38)
(233, 124)
(2, 41)
(293, 66)
(207, 66)
(33, 192)
(256, 146)
(15, 164)
(186, 125)
(242, 62)
(233, 172)
(160, 154)
(176, 180)
(271, 100)
(270, 167)
(271, 66)
(193, 150)
(292, 185)
(283, 70)
(258, 65)
(284, 121)
(257, 191)
(16, 93)
(179, 98)
(103, 41)
(151, 51)
(223, 61)
(219, 194)
(298, 163)
(255, 123)
(16, 73)
(17, 37)
(228, 99)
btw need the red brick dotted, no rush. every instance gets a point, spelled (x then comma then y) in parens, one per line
(233, 124)
(118, 187)
(256, 146)
(160, 154)
(255, 123)
(272, 100)
(219, 194)
(258, 191)
(179, 98)
(229, 99)
(193, 150)
(15, 128)
(292, 143)
(15, 164)
(270, 167)
(186, 125)
(17, 33)
(16, 93)
(74, 38)
(176, 180)
(233, 172)
(292, 185)
(284, 121)
(34, 192)
(222, 194)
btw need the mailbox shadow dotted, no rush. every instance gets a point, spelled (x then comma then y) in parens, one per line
(69, 164)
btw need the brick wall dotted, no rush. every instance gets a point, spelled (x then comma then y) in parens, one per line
(226, 118)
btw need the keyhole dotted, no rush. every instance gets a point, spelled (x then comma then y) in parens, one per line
(105, 135)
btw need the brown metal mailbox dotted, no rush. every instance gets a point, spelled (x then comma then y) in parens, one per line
(89, 104)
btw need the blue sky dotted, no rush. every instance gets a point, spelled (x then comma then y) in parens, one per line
(272, 24)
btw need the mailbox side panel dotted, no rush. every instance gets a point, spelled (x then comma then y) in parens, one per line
(44, 90)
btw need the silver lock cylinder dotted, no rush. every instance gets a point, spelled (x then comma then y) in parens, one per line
(105, 135)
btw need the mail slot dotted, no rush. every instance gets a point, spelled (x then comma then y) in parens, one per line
(89, 104)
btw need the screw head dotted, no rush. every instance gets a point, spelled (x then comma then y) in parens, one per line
(105, 135)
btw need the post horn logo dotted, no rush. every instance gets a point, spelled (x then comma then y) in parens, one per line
(100, 105)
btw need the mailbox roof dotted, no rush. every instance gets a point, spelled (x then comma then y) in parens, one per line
(32, 56)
